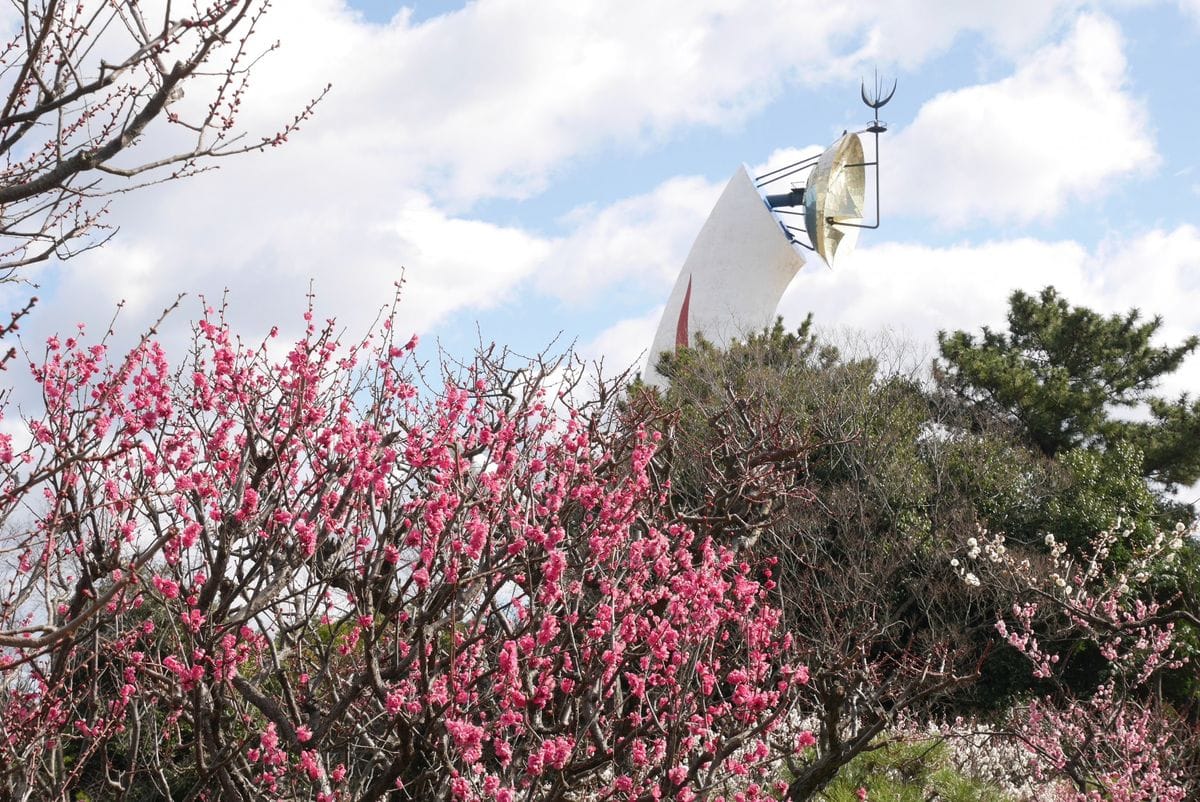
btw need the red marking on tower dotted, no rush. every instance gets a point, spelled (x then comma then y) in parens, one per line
(681, 328)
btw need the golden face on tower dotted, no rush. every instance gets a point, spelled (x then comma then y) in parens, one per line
(836, 193)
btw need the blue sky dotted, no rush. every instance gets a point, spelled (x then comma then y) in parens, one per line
(538, 170)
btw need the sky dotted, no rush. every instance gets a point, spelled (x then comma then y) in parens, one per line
(536, 171)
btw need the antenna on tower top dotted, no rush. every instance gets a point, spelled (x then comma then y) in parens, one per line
(876, 101)
(835, 193)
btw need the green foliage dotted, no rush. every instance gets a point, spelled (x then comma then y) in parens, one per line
(1105, 486)
(887, 456)
(872, 430)
(1063, 374)
(896, 482)
(1070, 380)
(1021, 433)
(909, 771)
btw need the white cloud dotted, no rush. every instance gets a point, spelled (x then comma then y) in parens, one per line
(488, 102)
(624, 344)
(908, 31)
(915, 291)
(268, 261)
(1159, 273)
(454, 263)
(1061, 128)
(638, 243)
(1191, 8)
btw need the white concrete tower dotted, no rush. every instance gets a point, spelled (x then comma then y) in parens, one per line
(733, 278)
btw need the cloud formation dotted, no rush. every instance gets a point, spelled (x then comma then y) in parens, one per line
(636, 244)
(915, 291)
(1063, 127)
(499, 99)
(489, 100)
(911, 292)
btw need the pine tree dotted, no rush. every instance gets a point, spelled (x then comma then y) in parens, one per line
(1068, 377)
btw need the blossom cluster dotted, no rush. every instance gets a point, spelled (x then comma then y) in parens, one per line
(312, 578)
(1116, 742)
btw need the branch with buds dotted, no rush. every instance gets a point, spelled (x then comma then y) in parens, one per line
(83, 85)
